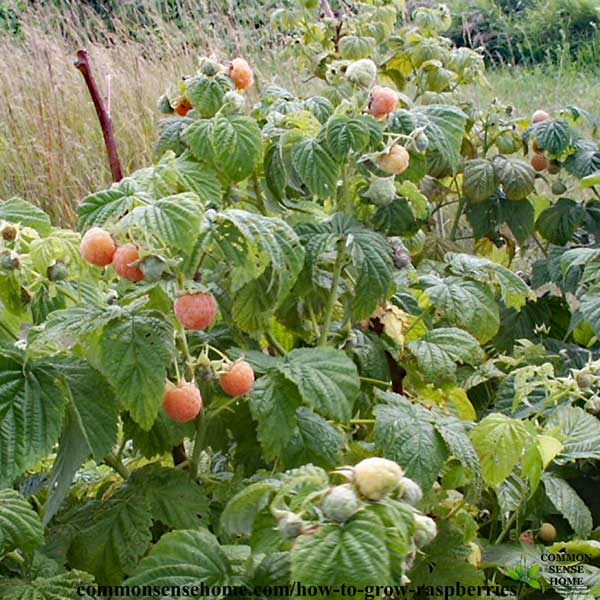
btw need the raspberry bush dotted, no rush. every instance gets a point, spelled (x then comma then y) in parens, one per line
(349, 337)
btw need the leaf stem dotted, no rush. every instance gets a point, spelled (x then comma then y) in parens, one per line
(117, 464)
(333, 296)
(198, 444)
(275, 343)
(258, 193)
(376, 381)
(507, 527)
(457, 216)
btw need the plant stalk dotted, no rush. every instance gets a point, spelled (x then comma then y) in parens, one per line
(333, 296)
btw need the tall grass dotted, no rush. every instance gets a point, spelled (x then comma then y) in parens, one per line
(51, 148)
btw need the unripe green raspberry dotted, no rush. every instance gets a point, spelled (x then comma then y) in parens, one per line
(164, 105)
(340, 503)
(9, 261)
(290, 525)
(425, 530)
(152, 267)
(233, 102)
(58, 271)
(410, 491)
(382, 191)
(209, 67)
(376, 477)
(362, 72)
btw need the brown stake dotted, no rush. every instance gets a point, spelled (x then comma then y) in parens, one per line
(83, 64)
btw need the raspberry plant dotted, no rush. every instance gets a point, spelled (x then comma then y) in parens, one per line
(349, 338)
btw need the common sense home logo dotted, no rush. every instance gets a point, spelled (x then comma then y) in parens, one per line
(565, 571)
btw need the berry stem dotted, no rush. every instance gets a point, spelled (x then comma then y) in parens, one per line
(198, 444)
(333, 296)
(115, 463)
(275, 343)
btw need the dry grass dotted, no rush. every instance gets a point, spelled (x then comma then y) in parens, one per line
(51, 148)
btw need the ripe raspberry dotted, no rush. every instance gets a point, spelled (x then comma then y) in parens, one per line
(183, 107)
(238, 380)
(196, 311)
(539, 162)
(547, 532)
(396, 161)
(527, 537)
(241, 73)
(97, 247)
(122, 262)
(539, 116)
(182, 404)
(382, 101)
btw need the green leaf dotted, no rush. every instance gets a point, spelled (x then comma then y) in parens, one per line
(465, 303)
(206, 94)
(175, 500)
(589, 308)
(569, 504)
(345, 134)
(315, 167)
(20, 525)
(404, 432)
(314, 441)
(240, 512)
(558, 222)
(199, 137)
(183, 558)
(135, 352)
(553, 135)
(174, 221)
(327, 380)
(355, 554)
(444, 127)
(17, 210)
(170, 135)
(585, 160)
(354, 47)
(438, 351)
(196, 178)
(115, 538)
(59, 587)
(500, 442)
(108, 206)
(516, 176)
(273, 402)
(479, 179)
(32, 407)
(372, 260)
(237, 144)
(579, 434)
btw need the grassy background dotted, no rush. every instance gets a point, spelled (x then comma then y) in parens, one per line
(51, 149)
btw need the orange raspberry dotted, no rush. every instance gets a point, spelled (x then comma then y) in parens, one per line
(183, 403)
(241, 73)
(97, 247)
(196, 311)
(238, 380)
(382, 101)
(123, 261)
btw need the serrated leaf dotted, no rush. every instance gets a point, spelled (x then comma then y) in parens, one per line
(108, 206)
(115, 538)
(569, 504)
(405, 433)
(135, 352)
(273, 402)
(20, 525)
(315, 167)
(354, 47)
(345, 134)
(579, 434)
(327, 380)
(206, 94)
(31, 409)
(500, 442)
(59, 587)
(558, 222)
(197, 178)
(237, 144)
(17, 210)
(516, 176)
(314, 441)
(170, 135)
(464, 303)
(240, 512)
(183, 558)
(438, 351)
(589, 307)
(174, 499)
(199, 137)
(552, 135)
(174, 221)
(479, 179)
(585, 160)
(354, 554)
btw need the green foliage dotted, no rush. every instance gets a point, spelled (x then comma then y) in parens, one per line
(389, 344)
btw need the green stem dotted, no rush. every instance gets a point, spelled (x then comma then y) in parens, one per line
(457, 216)
(8, 331)
(507, 527)
(333, 296)
(258, 193)
(198, 444)
(375, 381)
(115, 463)
(183, 346)
(275, 343)
(362, 421)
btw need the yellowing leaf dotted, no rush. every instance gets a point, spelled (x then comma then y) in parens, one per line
(549, 448)
(458, 397)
